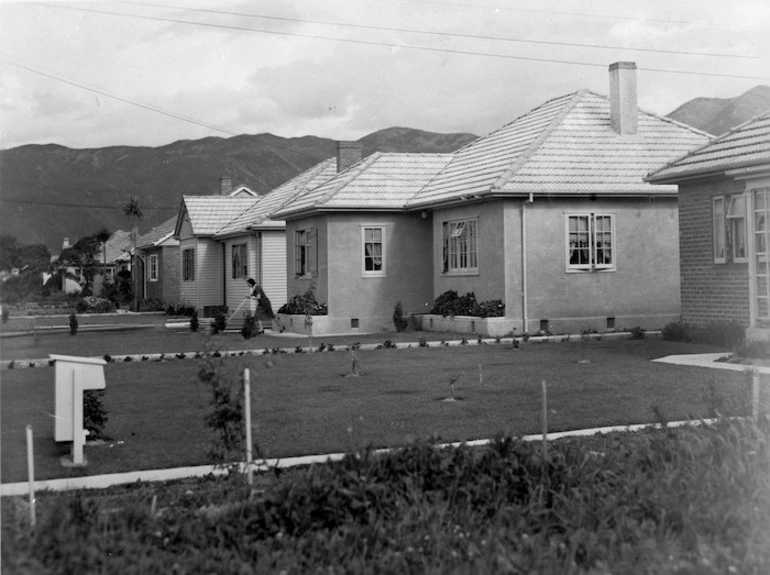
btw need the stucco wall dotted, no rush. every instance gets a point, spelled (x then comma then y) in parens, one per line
(643, 290)
(299, 285)
(408, 269)
(341, 282)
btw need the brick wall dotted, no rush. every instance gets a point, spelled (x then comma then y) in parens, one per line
(171, 273)
(709, 291)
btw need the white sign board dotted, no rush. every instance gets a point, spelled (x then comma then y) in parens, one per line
(74, 375)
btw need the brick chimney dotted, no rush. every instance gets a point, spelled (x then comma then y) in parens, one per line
(225, 186)
(348, 154)
(624, 111)
(65, 244)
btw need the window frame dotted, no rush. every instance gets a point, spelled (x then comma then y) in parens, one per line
(154, 274)
(306, 253)
(732, 223)
(726, 226)
(452, 234)
(383, 265)
(240, 268)
(718, 230)
(188, 265)
(593, 246)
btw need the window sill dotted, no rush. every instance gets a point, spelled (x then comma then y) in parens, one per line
(460, 273)
(590, 270)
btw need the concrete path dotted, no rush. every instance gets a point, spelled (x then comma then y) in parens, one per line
(710, 360)
(104, 481)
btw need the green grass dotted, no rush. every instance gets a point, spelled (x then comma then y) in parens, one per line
(660, 502)
(303, 405)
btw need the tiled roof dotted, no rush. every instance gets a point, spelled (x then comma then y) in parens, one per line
(565, 146)
(157, 234)
(744, 145)
(116, 247)
(259, 213)
(208, 214)
(381, 181)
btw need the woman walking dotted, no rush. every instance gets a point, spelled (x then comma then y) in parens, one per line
(260, 302)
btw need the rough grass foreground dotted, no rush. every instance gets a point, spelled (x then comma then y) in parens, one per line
(691, 500)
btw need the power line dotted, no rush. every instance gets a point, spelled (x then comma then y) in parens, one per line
(435, 33)
(579, 14)
(103, 92)
(84, 206)
(396, 45)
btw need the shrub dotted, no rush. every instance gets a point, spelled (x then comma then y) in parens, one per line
(720, 333)
(73, 324)
(304, 304)
(94, 415)
(398, 318)
(637, 332)
(249, 326)
(225, 416)
(6, 313)
(94, 304)
(220, 322)
(450, 303)
(194, 322)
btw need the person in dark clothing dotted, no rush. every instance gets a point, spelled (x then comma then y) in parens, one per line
(260, 302)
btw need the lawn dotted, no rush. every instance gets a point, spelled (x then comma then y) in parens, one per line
(302, 404)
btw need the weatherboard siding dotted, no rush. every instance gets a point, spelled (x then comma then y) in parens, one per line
(273, 267)
(236, 289)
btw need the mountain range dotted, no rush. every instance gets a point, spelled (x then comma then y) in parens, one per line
(49, 192)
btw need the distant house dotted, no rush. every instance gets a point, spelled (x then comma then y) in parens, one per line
(724, 210)
(202, 257)
(549, 214)
(159, 263)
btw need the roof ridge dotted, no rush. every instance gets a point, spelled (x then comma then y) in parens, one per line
(304, 189)
(347, 176)
(535, 144)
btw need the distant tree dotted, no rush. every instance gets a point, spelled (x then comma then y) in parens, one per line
(10, 252)
(35, 258)
(133, 212)
(83, 258)
(103, 235)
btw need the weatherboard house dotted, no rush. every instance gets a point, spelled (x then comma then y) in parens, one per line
(724, 230)
(549, 213)
(201, 255)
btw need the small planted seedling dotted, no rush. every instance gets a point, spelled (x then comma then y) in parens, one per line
(452, 381)
(355, 368)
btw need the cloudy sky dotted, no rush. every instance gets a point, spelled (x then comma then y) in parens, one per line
(98, 73)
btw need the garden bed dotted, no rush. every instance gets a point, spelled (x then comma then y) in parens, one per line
(485, 327)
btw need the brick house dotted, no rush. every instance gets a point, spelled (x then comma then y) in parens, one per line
(549, 213)
(724, 209)
(159, 264)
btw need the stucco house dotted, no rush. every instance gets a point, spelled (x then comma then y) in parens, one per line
(158, 260)
(549, 213)
(724, 210)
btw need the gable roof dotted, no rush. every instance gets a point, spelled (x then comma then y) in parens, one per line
(157, 235)
(208, 214)
(117, 248)
(382, 181)
(566, 146)
(259, 214)
(743, 146)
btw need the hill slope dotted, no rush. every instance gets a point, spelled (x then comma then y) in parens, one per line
(50, 192)
(719, 115)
